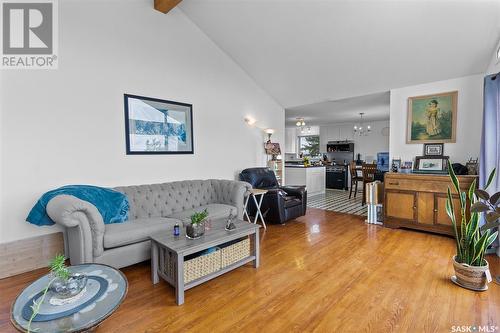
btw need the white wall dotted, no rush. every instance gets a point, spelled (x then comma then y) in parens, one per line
(469, 118)
(494, 66)
(375, 142)
(66, 126)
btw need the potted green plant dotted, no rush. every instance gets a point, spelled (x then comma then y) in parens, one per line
(63, 284)
(471, 269)
(195, 227)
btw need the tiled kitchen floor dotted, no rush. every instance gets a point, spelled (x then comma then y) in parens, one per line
(338, 201)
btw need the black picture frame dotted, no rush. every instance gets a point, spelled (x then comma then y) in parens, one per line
(188, 129)
(440, 167)
(396, 162)
(429, 147)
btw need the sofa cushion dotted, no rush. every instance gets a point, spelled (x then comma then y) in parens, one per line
(215, 211)
(157, 200)
(134, 231)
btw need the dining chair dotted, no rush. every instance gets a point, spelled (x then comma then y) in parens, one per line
(355, 178)
(368, 175)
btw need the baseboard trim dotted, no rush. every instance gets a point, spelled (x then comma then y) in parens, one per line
(28, 254)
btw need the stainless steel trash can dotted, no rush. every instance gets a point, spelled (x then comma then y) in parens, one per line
(374, 199)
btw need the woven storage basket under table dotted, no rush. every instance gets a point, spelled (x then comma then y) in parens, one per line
(168, 259)
(200, 266)
(235, 252)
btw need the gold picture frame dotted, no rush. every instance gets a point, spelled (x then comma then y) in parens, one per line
(432, 118)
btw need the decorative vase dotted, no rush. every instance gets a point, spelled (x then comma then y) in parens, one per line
(471, 277)
(69, 288)
(195, 231)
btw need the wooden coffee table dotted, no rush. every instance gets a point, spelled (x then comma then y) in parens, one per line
(164, 247)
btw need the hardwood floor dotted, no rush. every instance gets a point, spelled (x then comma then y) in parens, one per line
(325, 272)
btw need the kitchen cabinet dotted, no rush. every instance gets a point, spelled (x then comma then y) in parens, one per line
(323, 138)
(334, 133)
(313, 177)
(418, 201)
(291, 140)
(346, 132)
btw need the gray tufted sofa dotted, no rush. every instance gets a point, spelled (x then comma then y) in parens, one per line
(154, 209)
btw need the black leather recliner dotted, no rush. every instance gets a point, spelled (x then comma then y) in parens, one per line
(280, 203)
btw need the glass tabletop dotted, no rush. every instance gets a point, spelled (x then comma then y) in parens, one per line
(86, 318)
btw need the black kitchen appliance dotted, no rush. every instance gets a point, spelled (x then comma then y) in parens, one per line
(339, 146)
(336, 177)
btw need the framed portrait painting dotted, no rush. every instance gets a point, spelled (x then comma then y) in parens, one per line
(432, 118)
(156, 126)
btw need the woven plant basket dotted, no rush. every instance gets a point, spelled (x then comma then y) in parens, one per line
(471, 277)
(235, 252)
(201, 266)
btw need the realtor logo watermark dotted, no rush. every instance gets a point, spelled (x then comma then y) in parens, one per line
(29, 34)
(474, 328)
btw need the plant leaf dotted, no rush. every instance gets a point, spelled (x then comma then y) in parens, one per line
(450, 210)
(492, 216)
(453, 177)
(479, 207)
(480, 246)
(483, 194)
(491, 239)
(471, 190)
(490, 225)
(495, 199)
(491, 177)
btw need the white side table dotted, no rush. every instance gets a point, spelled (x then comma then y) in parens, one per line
(254, 193)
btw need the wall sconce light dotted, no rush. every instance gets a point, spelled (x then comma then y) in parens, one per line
(269, 132)
(250, 121)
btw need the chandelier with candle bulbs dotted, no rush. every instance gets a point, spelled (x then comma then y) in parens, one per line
(360, 129)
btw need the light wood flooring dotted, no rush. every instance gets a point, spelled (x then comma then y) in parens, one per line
(325, 272)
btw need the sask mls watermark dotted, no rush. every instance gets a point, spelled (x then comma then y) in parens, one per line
(29, 34)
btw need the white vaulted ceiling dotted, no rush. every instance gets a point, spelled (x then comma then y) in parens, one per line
(311, 51)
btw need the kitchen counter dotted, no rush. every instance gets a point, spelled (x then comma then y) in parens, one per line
(314, 177)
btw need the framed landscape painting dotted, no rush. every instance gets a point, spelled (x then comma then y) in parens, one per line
(432, 118)
(156, 126)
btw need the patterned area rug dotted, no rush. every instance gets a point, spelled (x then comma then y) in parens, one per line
(338, 201)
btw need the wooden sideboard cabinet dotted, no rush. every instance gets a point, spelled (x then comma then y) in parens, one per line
(418, 201)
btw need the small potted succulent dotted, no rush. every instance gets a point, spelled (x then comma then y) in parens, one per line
(195, 227)
(471, 269)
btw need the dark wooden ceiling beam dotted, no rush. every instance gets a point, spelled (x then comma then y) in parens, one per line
(165, 6)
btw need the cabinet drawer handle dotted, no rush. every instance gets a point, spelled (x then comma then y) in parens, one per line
(393, 183)
(414, 207)
(435, 210)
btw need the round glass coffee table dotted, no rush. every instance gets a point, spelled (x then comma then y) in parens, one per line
(105, 290)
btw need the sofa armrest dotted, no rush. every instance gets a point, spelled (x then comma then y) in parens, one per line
(299, 192)
(232, 192)
(296, 191)
(81, 218)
